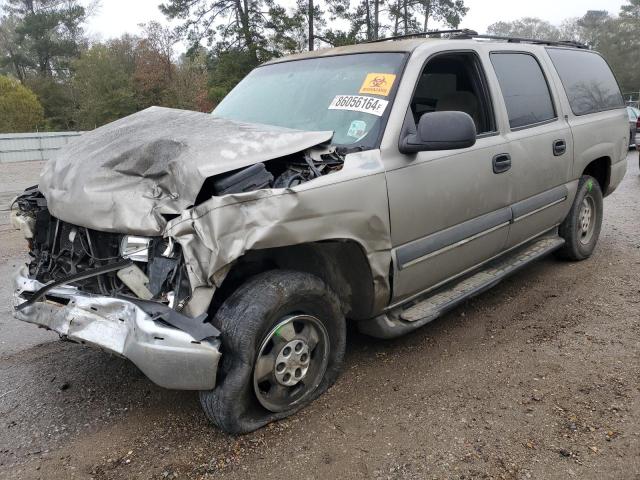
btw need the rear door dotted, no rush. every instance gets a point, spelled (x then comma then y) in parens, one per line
(540, 145)
(594, 109)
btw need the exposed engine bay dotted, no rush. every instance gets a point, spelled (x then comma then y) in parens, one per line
(284, 172)
(59, 250)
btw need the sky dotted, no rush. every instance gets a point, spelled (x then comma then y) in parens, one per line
(115, 17)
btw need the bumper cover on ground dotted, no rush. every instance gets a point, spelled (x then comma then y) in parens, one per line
(170, 357)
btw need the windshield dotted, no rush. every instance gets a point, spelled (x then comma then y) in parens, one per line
(347, 94)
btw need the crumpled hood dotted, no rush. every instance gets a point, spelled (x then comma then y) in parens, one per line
(122, 177)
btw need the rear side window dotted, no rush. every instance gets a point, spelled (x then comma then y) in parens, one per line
(524, 88)
(587, 79)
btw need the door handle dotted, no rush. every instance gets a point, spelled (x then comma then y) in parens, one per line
(559, 147)
(501, 163)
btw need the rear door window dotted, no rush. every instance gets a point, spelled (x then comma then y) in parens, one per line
(524, 88)
(587, 79)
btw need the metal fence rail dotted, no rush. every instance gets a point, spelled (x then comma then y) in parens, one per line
(24, 147)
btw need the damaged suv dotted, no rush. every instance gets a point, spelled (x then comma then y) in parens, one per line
(383, 183)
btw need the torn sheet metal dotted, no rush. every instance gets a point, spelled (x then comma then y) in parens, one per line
(122, 177)
(350, 204)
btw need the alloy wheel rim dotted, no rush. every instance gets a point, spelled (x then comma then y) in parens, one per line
(586, 220)
(291, 362)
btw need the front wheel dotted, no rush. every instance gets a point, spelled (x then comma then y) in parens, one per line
(283, 342)
(581, 228)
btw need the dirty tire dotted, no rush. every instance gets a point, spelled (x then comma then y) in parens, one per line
(245, 319)
(578, 244)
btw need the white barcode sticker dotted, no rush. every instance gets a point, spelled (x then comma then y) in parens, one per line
(359, 103)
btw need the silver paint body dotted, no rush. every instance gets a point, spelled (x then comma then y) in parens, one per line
(431, 192)
(393, 205)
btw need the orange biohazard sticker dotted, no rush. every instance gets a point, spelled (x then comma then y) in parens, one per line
(378, 83)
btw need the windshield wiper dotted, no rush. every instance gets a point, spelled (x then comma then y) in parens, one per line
(342, 151)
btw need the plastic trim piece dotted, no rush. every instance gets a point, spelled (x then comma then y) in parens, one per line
(539, 202)
(458, 235)
(465, 232)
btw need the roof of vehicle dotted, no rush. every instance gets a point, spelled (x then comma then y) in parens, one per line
(408, 43)
(392, 46)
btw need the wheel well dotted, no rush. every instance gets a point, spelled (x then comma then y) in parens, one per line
(341, 264)
(600, 169)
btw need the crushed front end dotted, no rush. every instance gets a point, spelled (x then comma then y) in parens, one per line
(122, 293)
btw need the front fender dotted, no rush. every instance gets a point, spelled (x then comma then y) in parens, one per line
(349, 204)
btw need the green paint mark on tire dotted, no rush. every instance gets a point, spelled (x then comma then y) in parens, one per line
(589, 185)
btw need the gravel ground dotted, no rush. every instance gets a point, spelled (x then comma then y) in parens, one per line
(537, 378)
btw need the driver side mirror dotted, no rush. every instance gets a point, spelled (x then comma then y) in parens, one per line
(440, 131)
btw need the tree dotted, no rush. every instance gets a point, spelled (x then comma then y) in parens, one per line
(365, 19)
(48, 33)
(628, 46)
(188, 88)
(592, 25)
(20, 110)
(235, 24)
(39, 40)
(373, 19)
(447, 11)
(527, 27)
(58, 98)
(310, 15)
(617, 40)
(228, 68)
(12, 55)
(570, 30)
(154, 67)
(308, 20)
(288, 30)
(632, 10)
(104, 82)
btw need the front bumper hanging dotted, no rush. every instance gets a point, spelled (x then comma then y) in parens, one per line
(147, 333)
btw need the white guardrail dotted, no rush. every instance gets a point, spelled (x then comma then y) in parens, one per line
(25, 147)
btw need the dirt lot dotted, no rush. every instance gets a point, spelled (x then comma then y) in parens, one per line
(538, 378)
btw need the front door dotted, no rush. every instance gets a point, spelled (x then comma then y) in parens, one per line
(449, 209)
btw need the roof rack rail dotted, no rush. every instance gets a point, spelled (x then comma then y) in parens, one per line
(466, 33)
(556, 43)
(459, 33)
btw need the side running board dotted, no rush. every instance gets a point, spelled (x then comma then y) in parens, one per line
(417, 313)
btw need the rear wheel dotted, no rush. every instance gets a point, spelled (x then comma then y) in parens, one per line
(581, 228)
(283, 342)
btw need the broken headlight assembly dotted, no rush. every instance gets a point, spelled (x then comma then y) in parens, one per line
(62, 252)
(135, 248)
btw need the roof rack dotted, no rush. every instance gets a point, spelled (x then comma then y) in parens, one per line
(555, 43)
(467, 34)
(463, 32)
